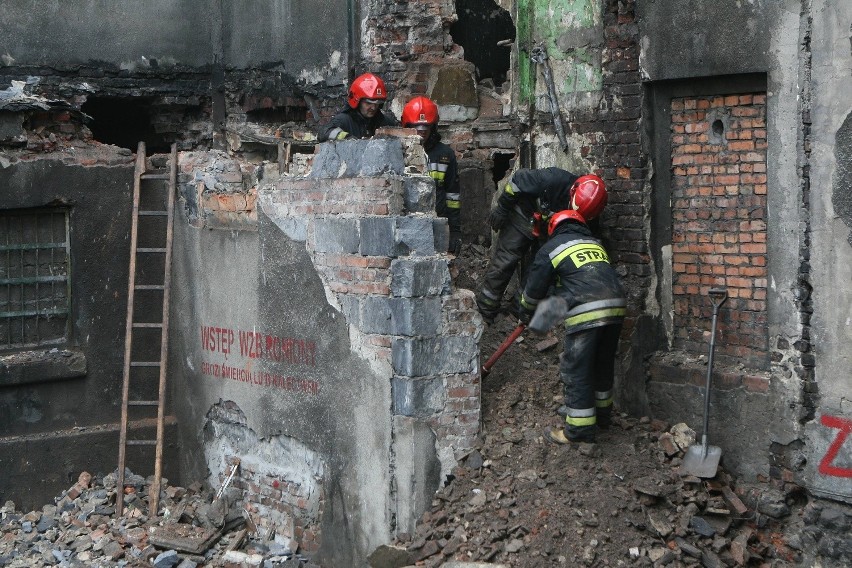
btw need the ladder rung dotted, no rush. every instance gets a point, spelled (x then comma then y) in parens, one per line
(150, 250)
(144, 363)
(141, 442)
(149, 287)
(156, 175)
(143, 403)
(147, 325)
(153, 212)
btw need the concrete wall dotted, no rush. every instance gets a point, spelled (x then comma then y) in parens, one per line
(317, 339)
(829, 454)
(184, 33)
(59, 402)
(796, 431)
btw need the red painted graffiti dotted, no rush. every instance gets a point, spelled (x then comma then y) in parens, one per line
(260, 378)
(845, 427)
(256, 345)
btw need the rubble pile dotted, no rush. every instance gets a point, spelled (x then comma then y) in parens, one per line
(194, 528)
(520, 500)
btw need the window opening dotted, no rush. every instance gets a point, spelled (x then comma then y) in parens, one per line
(480, 25)
(35, 260)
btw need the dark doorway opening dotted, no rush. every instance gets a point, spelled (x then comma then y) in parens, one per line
(124, 122)
(502, 164)
(481, 24)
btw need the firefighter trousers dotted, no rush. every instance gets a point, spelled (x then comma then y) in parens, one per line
(587, 370)
(512, 248)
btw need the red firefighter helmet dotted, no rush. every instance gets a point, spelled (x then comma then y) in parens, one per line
(367, 86)
(560, 216)
(420, 110)
(588, 196)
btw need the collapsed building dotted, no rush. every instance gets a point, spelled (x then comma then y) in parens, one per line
(315, 332)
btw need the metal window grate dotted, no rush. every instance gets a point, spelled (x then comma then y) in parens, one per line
(35, 262)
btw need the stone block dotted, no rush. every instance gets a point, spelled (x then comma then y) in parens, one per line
(415, 236)
(418, 398)
(377, 236)
(296, 228)
(419, 277)
(433, 356)
(336, 235)
(441, 232)
(419, 194)
(372, 157)
(400, 316)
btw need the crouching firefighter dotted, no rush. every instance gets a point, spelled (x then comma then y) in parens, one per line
(421, 113)
(578, 268)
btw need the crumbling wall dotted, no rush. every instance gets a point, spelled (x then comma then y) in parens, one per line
(321, 321)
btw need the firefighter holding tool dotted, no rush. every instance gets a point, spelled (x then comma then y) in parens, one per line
(576, 265)
(520, 217)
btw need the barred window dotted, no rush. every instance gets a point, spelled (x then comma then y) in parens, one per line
(35, 263)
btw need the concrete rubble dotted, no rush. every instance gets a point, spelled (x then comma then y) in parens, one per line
(194, 528)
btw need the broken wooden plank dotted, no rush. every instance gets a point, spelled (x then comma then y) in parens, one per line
(183, 537)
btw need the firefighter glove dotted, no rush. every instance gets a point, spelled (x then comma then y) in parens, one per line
(498, 217)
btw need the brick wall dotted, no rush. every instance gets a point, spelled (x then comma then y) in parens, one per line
(719, 223)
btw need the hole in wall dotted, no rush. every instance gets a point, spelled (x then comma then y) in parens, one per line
(718, 127)
(278, 115)
(124, 122)
(480, 25)
(502, 164)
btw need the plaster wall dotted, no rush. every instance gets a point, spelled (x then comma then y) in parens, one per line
(186, 33)
(829, 449)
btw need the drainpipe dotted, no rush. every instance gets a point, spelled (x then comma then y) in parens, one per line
(217, 79)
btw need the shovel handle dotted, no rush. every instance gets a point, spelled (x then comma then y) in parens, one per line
(718, 296)
(486, 368)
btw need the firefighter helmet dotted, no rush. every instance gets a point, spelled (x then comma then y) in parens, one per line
(560, 216)
(367, 86)
(588, 196)
(420, 110)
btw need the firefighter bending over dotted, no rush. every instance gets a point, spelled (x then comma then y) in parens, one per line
(363, 115)
(577, 266)
(519, 218)
(422, 114)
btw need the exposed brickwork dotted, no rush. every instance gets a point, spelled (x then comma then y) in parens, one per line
(279, 506)
(612, 135)
(719, 223)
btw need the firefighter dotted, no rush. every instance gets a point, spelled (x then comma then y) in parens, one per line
(422, 114)
(577, 266)
(363, 115)
(519, 218)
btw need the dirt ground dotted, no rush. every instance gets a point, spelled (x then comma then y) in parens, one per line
(523, 501)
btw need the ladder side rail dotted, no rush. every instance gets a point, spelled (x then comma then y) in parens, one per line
(154, 499)
(128, 333)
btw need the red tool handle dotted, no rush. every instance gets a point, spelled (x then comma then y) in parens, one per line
(486, 368)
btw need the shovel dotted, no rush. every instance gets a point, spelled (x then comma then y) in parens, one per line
(703, 460)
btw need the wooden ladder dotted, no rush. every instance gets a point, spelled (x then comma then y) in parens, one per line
(146, 185)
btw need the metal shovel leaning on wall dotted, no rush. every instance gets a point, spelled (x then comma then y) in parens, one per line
(703, 460)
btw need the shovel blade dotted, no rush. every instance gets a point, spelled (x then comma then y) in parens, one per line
(550, 312)
(701, 461)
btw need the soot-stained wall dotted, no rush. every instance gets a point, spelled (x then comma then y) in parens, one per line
(60, 403)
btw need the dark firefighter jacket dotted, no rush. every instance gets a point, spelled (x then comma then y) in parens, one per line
(545, 190)
(349, 123)
(443, 168)
(578, 266)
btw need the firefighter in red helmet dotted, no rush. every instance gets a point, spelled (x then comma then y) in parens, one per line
(363, 114)
(520, 216)
(574, 265)
(421, 113)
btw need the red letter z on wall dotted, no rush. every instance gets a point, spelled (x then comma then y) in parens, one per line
(845, 427)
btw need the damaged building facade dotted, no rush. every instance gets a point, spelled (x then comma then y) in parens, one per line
(316, 333)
